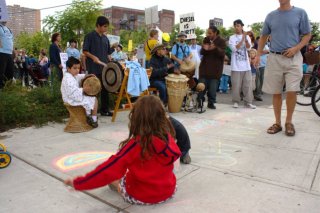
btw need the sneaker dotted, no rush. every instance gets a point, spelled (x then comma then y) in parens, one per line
(186, 159)
(211, 106)
(235, 105)
(251, 106)
(92, 123)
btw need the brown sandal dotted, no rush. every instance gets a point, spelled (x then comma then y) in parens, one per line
(275, 128)
(290, 131)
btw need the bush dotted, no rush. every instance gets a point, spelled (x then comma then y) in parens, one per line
(20, 107)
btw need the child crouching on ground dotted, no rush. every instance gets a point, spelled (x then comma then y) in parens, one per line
(74, 95)
(142, 169)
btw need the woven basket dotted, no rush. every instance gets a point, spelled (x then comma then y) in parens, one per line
(78, 120)
(312, 57)
(177, 89)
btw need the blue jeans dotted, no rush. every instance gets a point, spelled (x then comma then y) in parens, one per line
(224, 83)
(211, 87)
(161, 86)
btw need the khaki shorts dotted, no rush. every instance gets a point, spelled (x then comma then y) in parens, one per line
(282, 70)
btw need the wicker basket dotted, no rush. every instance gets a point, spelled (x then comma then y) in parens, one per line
(312, 57)
(78, 120)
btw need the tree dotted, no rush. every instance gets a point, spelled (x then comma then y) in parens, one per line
(226, 33)
(256, 28)
(75, 21)
(33, 43)
(137, 37)
(316, 32)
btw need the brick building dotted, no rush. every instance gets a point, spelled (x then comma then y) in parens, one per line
(133, 19)
(22, 19)
(218, 22)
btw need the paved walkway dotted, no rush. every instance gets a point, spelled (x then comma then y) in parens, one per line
(236, 166)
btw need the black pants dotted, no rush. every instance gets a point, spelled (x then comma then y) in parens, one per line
(183, 140)
(6, 68)
(104, 96)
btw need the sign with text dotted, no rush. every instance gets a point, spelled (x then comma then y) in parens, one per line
(64, 59)
(113, 39)
(3, 11)
(187, 25)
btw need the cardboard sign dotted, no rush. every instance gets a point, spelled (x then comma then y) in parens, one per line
(3, 11)
(64, 59)
(151, 15)
(187, 25)
(113, 39)
(160, 35)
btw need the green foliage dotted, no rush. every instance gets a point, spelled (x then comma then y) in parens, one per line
(20, 107)
(137, 37)
(33, 43)
(316, 32)
(75, 21)
(256, 28)
(226, 33)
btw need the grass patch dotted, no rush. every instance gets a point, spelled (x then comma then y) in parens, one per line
(20, 107)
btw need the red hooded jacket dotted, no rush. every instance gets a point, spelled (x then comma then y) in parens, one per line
(151, 180)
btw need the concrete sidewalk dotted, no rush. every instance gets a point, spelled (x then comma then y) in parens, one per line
(236, 166)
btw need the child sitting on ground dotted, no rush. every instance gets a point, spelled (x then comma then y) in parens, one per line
(74, 95)
(142, 169)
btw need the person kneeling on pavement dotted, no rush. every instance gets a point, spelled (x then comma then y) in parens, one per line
(183, 140)
(74, 95)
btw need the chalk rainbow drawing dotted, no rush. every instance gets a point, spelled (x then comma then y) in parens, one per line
(81, 159)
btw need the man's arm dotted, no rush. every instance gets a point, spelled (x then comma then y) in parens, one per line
(262, 42)
(93, 57)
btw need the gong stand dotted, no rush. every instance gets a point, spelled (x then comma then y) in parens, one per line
(122, 94)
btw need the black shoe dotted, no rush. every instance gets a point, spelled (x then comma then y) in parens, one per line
(211, 106)
(106, 114)
(257, 98)
(186, 159)
(92, 123)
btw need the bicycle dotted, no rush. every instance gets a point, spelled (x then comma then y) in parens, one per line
(310, 81)
(315, 100)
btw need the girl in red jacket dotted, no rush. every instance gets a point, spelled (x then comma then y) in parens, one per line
(142, 169)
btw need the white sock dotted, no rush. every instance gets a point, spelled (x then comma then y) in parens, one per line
(94, 117)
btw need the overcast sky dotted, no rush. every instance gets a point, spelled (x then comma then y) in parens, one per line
(250, 11)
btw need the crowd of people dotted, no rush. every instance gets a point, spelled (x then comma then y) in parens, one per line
(142, 170)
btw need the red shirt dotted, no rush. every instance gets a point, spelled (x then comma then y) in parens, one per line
(151, 180)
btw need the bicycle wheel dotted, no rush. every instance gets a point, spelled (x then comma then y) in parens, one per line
(308, 85)
(316, 101)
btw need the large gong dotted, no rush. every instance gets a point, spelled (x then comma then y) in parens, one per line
(112, 76)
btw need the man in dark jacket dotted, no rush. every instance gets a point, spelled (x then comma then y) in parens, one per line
(211, 66)
(161, 66)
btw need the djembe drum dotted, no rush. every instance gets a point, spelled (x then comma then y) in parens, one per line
(93, 83)
(176, 88)
(188, 68)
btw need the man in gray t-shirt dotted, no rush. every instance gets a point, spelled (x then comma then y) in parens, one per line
(289, 31)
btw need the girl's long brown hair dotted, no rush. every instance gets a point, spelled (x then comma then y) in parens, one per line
(148, 118)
